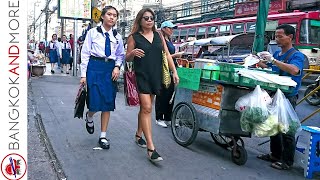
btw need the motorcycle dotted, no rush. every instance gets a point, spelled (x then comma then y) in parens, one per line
(313, 99)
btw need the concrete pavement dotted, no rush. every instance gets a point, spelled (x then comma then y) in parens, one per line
(54, 101)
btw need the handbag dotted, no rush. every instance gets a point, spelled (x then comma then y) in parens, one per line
(166, 79)
(130, 86)
(80, 101)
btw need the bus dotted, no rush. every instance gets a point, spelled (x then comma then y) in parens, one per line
(307, 25)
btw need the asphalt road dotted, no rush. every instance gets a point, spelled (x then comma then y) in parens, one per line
(53, 98)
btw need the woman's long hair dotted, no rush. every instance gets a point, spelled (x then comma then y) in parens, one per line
(137, 22)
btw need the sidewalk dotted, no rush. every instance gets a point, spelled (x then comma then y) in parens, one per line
(54, 98)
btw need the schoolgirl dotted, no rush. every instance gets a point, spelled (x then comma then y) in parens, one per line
(53, 52)
(101, 57)
(66, 53)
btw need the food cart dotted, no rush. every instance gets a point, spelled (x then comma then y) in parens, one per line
(38, 65)
(205, 101)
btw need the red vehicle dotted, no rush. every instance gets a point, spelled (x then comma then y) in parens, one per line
(307, 26)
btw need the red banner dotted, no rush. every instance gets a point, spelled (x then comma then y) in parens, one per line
(251, 8)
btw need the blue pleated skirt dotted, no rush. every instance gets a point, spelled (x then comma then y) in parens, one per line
(65, 56)
(101, 88)
(53, 56)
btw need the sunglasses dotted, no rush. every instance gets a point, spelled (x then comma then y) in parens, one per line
(146, 18)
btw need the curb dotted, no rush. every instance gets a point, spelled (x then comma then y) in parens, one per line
(44, 138)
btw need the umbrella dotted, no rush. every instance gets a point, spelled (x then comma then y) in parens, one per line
(261, 21)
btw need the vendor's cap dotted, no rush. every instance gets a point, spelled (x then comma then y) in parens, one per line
(168, 24)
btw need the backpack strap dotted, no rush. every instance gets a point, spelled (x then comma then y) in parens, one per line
(281, 72)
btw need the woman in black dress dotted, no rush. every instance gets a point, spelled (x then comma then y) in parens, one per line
(145, 47)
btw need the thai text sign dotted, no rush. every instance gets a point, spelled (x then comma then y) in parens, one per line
(74, 9)
(251, 8)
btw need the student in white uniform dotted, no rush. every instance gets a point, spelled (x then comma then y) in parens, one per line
(101, 58)
(65, 49)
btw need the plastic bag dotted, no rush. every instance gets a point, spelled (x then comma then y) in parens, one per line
(294, 122)
(251, 60)
(251, 98)
(254, 108)
(279, 108)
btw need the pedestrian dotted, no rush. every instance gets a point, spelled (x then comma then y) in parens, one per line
(59, 54)
(144, 48)
(80, 44)
(71, 41)
(42, 47)
(287, 62)
(102, 55)
(164, 101)
(65, 49)
(53, 52)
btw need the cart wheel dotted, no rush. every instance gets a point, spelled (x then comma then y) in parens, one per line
(223, 141)
(184, 124)
(239, 155)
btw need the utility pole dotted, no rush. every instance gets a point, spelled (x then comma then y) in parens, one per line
(40, 28)
(124, 19)
(46, 27)
(46, 10)
(34, 21)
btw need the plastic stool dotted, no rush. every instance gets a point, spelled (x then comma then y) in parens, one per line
(308, 157)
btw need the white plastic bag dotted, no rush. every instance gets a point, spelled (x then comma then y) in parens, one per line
(279, 108)
(250, 60)
(294, 122)
(253, 99)
(254, 108)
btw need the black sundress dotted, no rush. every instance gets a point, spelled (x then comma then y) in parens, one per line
(148, 69)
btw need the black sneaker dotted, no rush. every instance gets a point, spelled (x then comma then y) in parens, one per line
(104, 145)
(140, 141)
(89, 129)
(52, 71)
(155, 156)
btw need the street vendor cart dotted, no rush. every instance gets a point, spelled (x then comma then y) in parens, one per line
(211, 109)
(205, 101)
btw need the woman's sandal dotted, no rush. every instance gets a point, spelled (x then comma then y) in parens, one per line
(140, 141)
(280, 166)
(154, 156)
(267, 157)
